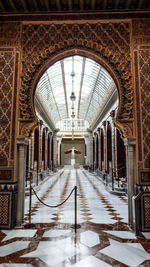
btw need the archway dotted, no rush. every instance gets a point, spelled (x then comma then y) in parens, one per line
(125, 126)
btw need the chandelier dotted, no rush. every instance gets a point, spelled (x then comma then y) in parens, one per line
(72, 98)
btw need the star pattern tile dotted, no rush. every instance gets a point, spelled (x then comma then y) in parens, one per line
(104, 238)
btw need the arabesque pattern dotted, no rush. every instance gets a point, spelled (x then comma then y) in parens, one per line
(108, 41)
(6, 87)
(144, 65)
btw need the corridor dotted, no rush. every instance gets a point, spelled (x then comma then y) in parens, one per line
(103, 240)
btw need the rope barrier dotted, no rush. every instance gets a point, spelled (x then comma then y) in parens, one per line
(53, 206)
(74, 226)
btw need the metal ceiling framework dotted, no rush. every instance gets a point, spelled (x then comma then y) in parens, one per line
(37, 6)
(92, 87)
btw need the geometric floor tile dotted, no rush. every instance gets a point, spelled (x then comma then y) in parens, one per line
(54, 252)
(147, 235)
(15, 265)
(55, 233)
(122, 234)
(89, 238)
(18, 233)
(131, 254)
(91, 261)
(54, 243)
(13, 247)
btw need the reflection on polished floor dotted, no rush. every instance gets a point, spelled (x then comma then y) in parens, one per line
(104, 238)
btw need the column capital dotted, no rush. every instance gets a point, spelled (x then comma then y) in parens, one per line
(40, 123)
(129, 141)
(23, 141)
(104, 123)
(112, 114)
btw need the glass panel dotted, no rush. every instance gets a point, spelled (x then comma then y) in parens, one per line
(92, 86)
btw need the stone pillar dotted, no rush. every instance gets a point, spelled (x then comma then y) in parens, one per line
(105, 146)
(95, 150)
(21, 171)
(32, 152)
(87, 159)
(116, 156)
(131, 173)
(112, 114)
(29, 156)
(99, 149)
(91, 149)
(54, 148)
(46, 147)
(50, 150)
(40, 146)
(59, 138)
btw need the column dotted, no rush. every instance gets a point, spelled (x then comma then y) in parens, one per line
(21, 157)
(46, 147)
(91, 149)
(32, 151)
(112, 114)
(54, 148)
(50, 150)
(40, 146)
(87, 159)
(95, 150)
(131, 172)
(99, 149)
(59, 152)
(105, 146)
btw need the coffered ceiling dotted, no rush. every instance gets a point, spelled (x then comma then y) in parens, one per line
(38, 6)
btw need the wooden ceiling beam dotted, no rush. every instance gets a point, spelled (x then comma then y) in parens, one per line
(2, 7)
(35, 5)
(93, 4)
(81, 5)
(47, 5)
(128, 2)
(12, 5)
(140, 2)
(23, 3)
(58, 5)
(70, 5)
(104, 4)
(116, 4)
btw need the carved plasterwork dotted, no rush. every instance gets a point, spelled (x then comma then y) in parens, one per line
(10, 34)
(141, 45)
(126, 128)
(141, 32)
(8, 96)
(144, 71)
(107, 43)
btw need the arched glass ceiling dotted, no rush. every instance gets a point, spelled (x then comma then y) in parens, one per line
(92, 87)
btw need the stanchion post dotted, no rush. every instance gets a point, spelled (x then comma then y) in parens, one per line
(75, 206)
(30, 201)
(75, 225)
(112, 179)
(30, 225)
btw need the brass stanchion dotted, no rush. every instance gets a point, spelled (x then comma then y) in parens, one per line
(30, 225)
(112, 179)
(75, 225)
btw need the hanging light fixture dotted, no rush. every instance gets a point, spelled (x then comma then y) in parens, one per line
(72, 98)
(73, 115)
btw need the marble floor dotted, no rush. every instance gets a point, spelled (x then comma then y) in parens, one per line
(103, 239)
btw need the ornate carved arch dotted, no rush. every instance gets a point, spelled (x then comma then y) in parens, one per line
(107, 43)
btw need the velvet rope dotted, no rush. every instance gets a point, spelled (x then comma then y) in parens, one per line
(55, 206)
